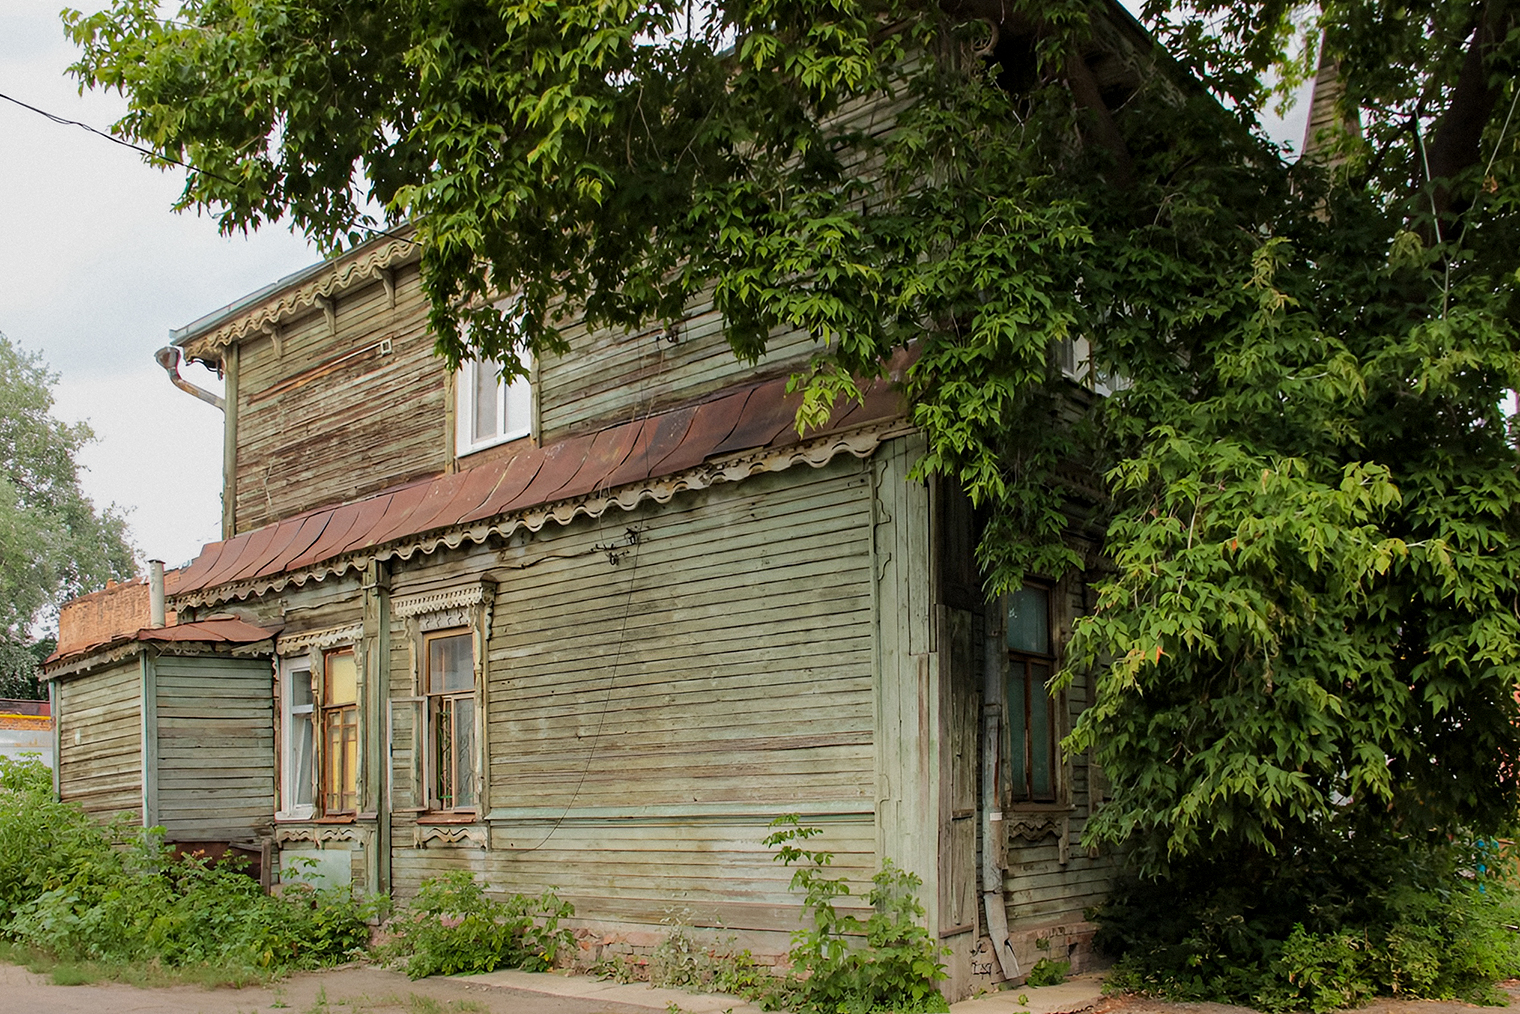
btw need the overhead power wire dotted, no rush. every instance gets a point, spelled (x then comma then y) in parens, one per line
(66, 122)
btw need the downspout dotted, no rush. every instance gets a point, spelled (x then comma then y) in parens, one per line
(993, 900)
(157, 616)
(168, 358)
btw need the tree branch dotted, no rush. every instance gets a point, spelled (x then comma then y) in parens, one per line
(1456, 146)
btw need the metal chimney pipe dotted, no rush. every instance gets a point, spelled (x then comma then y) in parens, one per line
(156, 616)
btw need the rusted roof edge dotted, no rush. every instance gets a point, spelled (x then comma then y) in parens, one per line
(860, 442)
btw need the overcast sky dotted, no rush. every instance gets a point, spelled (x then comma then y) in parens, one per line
(94, 272)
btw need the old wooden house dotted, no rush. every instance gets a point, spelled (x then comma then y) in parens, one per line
(591, 631)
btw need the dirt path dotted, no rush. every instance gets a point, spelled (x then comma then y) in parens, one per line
(340, 991)
(368, 990)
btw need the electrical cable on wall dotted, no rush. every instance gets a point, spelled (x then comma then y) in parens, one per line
(635, 540)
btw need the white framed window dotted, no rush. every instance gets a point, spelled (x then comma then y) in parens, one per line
(298, 740)
(490, 411)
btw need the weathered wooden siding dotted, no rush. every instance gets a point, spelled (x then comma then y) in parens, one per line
(1047, 897)
(616, 376)
(647, 720)
(215, 747)
(100, 731)
(331, 416)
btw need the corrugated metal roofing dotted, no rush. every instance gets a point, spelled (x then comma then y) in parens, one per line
(754, 416)
(223, 630)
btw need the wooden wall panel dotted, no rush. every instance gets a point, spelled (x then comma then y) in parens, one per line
(646, 720)
(328, 418)
(100, 730)
(608, 377)
(215, 747)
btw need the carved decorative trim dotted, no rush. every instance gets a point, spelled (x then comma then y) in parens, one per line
(311, 295)
(320, 833)
(444, 619)
(475, 836)
(861, 443)
(1033, 827)
(437, 601)
(329, 637)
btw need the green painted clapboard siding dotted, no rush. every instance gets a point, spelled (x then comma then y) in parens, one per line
(649, 872)
(215, 747)
(742, 689)
(102, 771)
(668, 723)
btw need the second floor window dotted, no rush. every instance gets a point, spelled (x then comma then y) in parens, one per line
(340, 733)
(489, 410)
(1031, 708)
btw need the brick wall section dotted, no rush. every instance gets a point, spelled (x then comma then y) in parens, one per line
(115, 611)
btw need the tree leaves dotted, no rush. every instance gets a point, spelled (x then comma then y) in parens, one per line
(53, 543)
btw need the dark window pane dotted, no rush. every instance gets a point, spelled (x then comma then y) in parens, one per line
(1041, 742)
(1029, 620)
(1018, 740)
(300, 734)
(464, 751)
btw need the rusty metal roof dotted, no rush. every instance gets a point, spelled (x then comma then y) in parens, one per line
(219, 630)
(754, 416)
(229, 630)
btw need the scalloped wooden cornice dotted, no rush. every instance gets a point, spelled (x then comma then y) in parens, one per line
(361, 266)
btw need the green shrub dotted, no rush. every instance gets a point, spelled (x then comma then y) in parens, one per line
(41, 840)
(1048, 973)
(82, 891)
(452, 926)
(139, 905)
(898, 964)
(680, 962)
(1375, 916)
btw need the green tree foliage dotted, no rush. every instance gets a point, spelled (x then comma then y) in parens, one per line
(54, 544)
(1308, 481)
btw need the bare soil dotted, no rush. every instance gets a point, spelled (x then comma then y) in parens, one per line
(354, 990)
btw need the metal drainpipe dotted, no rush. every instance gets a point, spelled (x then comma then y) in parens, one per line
(993, 900)
(169, 357)
(156, 613)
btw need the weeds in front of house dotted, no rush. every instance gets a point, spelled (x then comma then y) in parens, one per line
(1048, 973)
(453, 927)
(1399, 918)
(840, 963)
(894, 966)
(84, 901)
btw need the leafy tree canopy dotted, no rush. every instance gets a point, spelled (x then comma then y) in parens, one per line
(1307, 480)
(54, 544)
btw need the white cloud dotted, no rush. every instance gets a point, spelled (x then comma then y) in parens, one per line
(95, 270)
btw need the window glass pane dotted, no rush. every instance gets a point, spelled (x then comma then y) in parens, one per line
(340, 765)
(300, 688)
(464, 751)
(300, 756)
(451, 664)
(342, 679)
(486, 395)
(519, 406)
(1041, 743)
(1018, 716)
(1029, 620)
